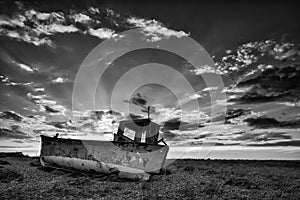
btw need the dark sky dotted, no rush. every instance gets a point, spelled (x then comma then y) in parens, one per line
(219, 25)
(216, 25)
(44, 43)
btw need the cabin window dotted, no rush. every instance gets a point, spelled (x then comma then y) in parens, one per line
(129, 133)
(143, 138)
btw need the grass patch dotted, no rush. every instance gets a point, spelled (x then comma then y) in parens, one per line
(8, 175)
(184, 179)
(4, 162)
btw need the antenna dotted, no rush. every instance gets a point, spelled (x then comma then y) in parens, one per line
(148, 112)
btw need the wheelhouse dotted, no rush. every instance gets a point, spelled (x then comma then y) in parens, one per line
(138, 131)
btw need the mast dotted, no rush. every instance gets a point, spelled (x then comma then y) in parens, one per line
(149, 112)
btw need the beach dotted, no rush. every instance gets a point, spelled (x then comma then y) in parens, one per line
(22, 177)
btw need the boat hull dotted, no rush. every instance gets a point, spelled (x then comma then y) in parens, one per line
(103, 156)
(94, 167)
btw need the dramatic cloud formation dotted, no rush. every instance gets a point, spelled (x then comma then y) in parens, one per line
(45, 103)
(42, 48)
(11, 115)
(37, 27)
(154, 29)
(138, 99)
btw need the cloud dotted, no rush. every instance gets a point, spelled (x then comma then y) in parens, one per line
(168, 135)
(59, 28)
(210, 89)
(138, 100)
(279, 143)
(204, 69)
(59, 80)
(154, 29)
(163, 114)
(177, 130)
(81, 18)
(97, 122)
(102, 33)
(255, 57)
(274, 83)
(236, 89)
(233, 115)
(51, 110)
(6, 81)
(26, 37)
(236, 112)
(34, 27)
(11, 115)
(12, 133)
(62, 124)
(33, 126)
(39, 89)
(173, 124)
(25, 67)
(195, 96)
(46, 103)
(98, 114)
(264, 122)
(295, 103)
(199, 143)
(17, 21)
(54, 108)
(31, 26)
(261, 136)
(33, 14)
(94, 10)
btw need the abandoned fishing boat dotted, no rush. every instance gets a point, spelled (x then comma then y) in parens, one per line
(134, 158)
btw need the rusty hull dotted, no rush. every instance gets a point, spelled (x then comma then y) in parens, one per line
(103, 156)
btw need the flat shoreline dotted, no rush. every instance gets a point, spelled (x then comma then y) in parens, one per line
(24, 178)
(20, 154)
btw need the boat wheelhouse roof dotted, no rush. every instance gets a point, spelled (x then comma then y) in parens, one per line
(140, 122)
(144, 130)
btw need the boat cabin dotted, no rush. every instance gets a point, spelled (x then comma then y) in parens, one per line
(138, 131)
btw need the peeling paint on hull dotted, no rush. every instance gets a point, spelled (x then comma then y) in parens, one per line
(129, 160)
(94, 167)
